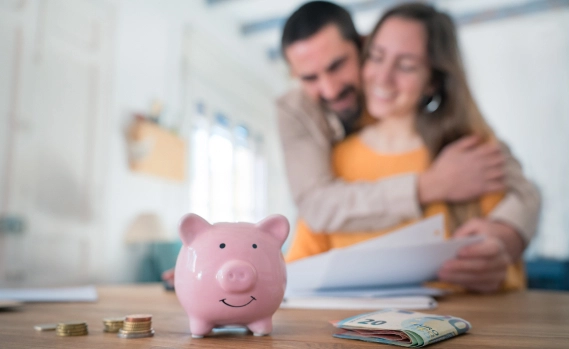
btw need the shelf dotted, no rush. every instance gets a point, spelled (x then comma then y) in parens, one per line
(156, 151)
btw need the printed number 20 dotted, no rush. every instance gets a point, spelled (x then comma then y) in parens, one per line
(371, 322)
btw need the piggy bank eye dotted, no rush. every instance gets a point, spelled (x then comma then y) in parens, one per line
(222, 246)
(254, 245)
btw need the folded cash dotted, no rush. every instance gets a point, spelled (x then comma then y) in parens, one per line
(401, 327)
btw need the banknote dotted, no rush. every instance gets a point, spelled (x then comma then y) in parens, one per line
(401, 327)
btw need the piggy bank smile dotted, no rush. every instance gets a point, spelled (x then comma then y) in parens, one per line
(238, 306)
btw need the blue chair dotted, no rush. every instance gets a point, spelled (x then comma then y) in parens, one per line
(548, 274)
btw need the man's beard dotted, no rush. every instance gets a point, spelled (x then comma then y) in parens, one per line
(349, 116)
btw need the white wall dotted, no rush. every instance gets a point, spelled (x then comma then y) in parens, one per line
(519, 71)
(154, 41)
(145, 46)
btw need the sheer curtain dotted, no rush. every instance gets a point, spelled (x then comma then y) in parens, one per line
(227, 169)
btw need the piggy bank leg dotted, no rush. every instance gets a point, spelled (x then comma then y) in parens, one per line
(199, 328)
(261, 327)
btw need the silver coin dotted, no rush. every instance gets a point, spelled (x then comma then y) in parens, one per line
(45, 327)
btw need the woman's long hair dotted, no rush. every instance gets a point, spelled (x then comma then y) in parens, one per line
(457, 114)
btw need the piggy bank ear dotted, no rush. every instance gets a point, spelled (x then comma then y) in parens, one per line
(277, 226)
(191, 226)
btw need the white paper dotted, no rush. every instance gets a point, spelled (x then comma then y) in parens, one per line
(67, 294)
(375, 263)
(359, 303)
(369, 292)
(425, 231)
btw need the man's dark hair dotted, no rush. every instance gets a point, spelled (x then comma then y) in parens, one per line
(311, 17)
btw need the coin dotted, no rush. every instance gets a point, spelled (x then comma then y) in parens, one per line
(136, 331)
(128, 327)
(112, 329)
(69, 333)
(45, 327)
(123, 334)
(113, 325)
(138, 318)
(71, 330)
(75, 328)
(71, 325)
(72, 334)
(140, 323)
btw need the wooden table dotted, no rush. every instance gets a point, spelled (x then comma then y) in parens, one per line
(516, 320)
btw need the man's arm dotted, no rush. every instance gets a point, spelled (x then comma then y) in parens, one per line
(521, 206)
(325, 202)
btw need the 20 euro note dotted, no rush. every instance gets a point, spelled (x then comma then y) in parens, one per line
(401, 327)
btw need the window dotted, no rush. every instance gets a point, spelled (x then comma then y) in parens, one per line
(227, 170)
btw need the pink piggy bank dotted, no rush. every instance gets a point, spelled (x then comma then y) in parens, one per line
(231, 273)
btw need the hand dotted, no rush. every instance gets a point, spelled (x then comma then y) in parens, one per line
(168, 276)
(464, 170)
(482, 267)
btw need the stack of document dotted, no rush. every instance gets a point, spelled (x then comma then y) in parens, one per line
(60, 294)
(393, 265)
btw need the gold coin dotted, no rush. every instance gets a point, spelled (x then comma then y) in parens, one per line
(75, 333)
(71, 324)
(146, 325)
(71, 327)
(71, 331)
(111, 330)
(136, 331)
(113, 319)
(126, 327)
(137, 322)
(138, 318)
(123, 334)
(137, 328)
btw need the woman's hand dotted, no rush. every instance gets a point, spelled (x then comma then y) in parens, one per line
(168, 276)
(482, 266)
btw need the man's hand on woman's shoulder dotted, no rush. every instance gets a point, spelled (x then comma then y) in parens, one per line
(464, 170)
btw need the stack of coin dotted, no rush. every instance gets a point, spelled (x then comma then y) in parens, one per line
(137, 326)
(113, 324)
(65, 329)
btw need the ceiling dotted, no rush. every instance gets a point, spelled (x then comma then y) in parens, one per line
(261, 21)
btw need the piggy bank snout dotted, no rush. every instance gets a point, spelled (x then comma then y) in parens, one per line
(237, 276)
